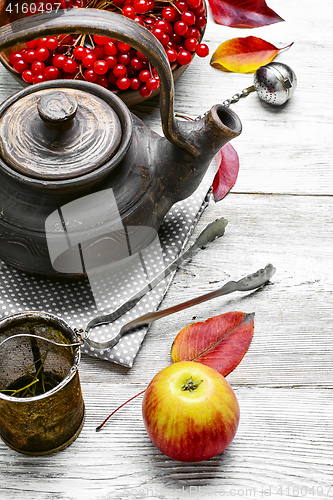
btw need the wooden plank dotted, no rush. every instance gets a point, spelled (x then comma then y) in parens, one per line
(292, 343)
(284, 441)
(283, 447)
(283, 384)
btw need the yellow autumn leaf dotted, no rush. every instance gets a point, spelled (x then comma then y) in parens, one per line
(244, 55)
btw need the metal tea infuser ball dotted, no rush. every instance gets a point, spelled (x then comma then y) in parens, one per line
(274, 83)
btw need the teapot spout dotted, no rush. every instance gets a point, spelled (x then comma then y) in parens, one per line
(210, 133)
(202, 139)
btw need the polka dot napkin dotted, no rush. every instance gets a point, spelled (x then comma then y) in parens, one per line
(77, 302)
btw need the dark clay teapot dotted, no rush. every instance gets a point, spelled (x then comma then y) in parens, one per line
(72, 144)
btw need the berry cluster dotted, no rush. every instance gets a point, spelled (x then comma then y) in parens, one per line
(113, 64)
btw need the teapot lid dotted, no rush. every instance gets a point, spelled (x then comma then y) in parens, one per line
(57, 134)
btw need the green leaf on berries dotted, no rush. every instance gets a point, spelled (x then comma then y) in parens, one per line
(219, 342)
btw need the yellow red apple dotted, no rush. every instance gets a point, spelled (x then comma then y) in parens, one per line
(190, 412)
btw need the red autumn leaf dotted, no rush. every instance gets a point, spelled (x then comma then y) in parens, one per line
(219, 342)
(226, 176)
(243, 13)
(244, 55)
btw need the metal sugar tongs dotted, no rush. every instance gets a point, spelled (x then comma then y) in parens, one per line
(250, 282)
(210, 233)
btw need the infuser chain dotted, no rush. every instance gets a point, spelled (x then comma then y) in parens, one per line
(226, 103)
(238, 96)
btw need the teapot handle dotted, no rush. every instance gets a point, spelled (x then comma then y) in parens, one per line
(113, 25)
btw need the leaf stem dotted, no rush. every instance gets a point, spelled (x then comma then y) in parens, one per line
(107, 418)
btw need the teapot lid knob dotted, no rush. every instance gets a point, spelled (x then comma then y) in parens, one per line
(57, 108)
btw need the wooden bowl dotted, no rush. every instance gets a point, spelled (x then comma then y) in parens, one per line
(130, 97)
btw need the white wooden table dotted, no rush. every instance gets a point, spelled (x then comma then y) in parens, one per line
(279, 211)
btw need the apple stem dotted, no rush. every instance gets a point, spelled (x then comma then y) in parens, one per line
(107, 418)
(190, 385)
